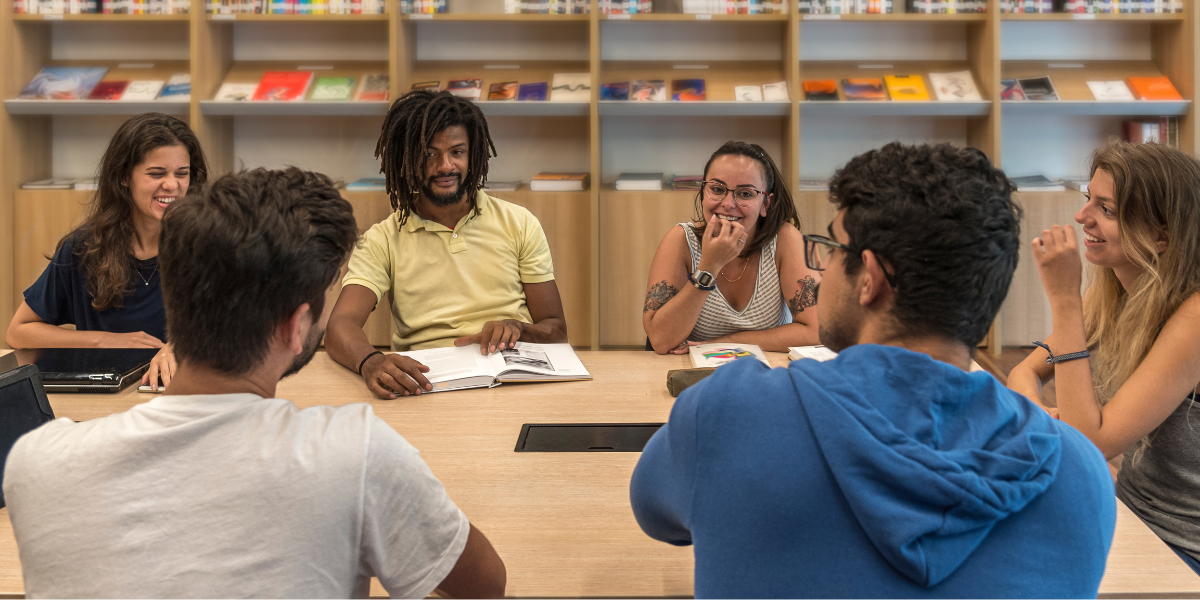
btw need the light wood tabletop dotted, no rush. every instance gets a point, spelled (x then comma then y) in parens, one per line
(562, 521)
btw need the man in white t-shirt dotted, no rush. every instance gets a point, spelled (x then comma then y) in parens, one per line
(217, 489)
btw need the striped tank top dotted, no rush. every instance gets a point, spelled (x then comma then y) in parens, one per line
(765, 310)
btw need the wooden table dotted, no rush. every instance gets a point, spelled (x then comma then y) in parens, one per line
(562, 521)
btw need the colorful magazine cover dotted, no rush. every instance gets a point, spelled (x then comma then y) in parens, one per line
(329, 89)
(433, 86)
(1010, 89)
(374, 88)
(470, 89)
(63, 83)
(283, 86)
(503, 91)
(820, 90)
(108, 90)
(688, 90)
(1038, 88)
(533, 91)
(648, 90)
(869, 88)
(614, 91)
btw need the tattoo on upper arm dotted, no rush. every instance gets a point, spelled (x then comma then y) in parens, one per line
(658, 295)
(806, 296)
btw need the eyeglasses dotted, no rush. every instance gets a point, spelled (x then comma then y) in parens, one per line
(817, 249)
(742, 195)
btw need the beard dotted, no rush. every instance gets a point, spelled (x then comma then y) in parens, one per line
(443, 200)
(841, 330)
(306, 354)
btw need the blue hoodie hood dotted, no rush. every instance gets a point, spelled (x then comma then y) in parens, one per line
(929, 457)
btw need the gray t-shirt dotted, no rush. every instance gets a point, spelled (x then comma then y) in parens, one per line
(228, 496)
(1163, 486)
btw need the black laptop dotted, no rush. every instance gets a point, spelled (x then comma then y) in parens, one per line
(88, 370)
(23, 408)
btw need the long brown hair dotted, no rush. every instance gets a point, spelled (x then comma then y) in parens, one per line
(782, 209)
(1157, 192)
(408, 129)
(103, 243)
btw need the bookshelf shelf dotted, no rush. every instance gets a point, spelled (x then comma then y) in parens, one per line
(494, 17)
(1083, 17)
(293, 109)
(765, 18)
(269, 18)
(1137, 108)
(93, 107)
(99, 18)
(901, 17)
(512, 108)
(617, 108)
(858, 108)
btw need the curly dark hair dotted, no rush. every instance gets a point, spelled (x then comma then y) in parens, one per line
(104, 242)
(943, 222)
(782, 209)
(244, 256)
(408, 129)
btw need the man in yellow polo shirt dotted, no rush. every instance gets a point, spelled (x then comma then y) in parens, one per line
(458, 265)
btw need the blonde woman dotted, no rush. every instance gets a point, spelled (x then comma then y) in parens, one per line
(1140, 320)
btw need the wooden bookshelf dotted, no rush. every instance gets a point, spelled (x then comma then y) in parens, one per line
(601, 240)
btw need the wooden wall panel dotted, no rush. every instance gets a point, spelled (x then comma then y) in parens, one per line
(40, 219)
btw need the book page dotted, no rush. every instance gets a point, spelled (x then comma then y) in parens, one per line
(447, 364)
(715, 355)
(820, 353)
(551, 360)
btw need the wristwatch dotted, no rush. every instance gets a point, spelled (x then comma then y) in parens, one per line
(703, 280)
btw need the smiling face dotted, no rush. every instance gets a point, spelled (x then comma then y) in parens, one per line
(735, 171)
(445, 162)
(1101, 232)
(161, 178)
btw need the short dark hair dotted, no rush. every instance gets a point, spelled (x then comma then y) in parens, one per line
(782, 209)
(943, 221)
(408, 129)
(239, 259)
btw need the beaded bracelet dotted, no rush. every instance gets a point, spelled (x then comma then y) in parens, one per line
(1062, 357)
(364, 361)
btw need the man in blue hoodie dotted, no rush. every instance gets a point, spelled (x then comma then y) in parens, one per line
(889, 471)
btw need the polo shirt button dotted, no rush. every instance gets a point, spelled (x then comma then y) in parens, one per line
(454, 235)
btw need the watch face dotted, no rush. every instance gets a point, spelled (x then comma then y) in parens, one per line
(704, 278)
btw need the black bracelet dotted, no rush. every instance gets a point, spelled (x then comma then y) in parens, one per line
(364, 361)
(1062, 357)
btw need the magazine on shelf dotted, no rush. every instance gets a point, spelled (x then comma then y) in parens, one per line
(283, 86)
(53, 183)
(1038, 88)
(63, 83)
(1037, 183)
(533, 91)
(571, 87)
(648, 90)
(1110, 91)
(715, 355)
(688, 90)
(464, 367)
(748, 93)
(236, 92)
(820, 90)
(1010, 89)
(144, 90)
(471, 89)
(374, 88)
(331, 89)
(1154, 88)
(958, 86)
(432, 86)
(775, 92)
(501, 186)
(869, 89)
(503, 91)
(614, 91)
(631, 182)
(108, 90)
(907, 88)
(559, 182)
(178, 88)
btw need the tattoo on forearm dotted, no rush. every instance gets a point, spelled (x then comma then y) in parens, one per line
(805, 297)
(658, 295)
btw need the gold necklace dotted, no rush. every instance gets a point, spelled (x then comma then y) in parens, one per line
(739, 277)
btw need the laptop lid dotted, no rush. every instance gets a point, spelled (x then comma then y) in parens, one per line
(23, 408)
(88, 369)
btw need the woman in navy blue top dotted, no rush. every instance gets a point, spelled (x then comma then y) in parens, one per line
(104, 278)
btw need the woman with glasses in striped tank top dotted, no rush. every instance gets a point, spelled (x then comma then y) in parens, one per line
(736, 272)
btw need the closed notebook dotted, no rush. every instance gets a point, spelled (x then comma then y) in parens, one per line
(818, 90)
(283, 86)
(864, 88)
(906, 88)
(958, 86)
(648, 90)
(1154, 88)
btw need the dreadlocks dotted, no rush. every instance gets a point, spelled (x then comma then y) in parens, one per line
(408, 129)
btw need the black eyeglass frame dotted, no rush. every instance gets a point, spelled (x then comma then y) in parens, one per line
(730, 190)
(810, 240)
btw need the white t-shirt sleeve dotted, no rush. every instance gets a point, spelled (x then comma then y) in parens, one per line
(413, 533)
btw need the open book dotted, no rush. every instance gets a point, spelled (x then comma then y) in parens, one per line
(463, 367)
(715, 355)
(820, 353)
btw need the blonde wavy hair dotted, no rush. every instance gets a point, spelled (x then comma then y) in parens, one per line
(1157, 194)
